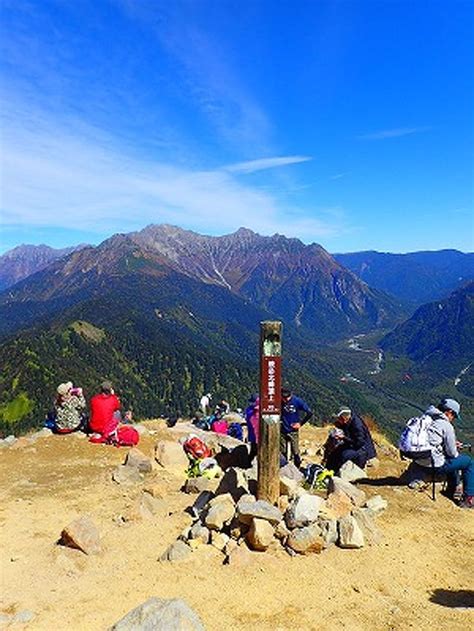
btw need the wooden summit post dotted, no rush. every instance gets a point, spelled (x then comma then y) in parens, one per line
(268, 485)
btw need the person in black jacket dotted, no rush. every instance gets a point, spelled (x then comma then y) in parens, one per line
(355, 444)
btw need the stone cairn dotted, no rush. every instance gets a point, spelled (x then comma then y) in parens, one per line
(231, 519)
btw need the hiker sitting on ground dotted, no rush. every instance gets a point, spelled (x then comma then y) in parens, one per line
(444, 446)
(68, 408)
(103, 421)
(291, 422)
(353, 442)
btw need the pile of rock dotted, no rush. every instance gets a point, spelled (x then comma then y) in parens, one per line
(231, 517)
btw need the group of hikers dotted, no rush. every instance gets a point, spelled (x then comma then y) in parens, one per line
(428, 440)
(103, 423)
(431, 433)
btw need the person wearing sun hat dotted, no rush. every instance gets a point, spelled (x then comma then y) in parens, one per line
(445, 448)
(68, 408)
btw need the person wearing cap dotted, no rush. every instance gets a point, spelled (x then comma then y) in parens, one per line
(355, 443)
(444, 447)
(68, 408)
(294, 414)
(104, 420)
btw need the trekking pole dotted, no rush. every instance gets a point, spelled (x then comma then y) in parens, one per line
(268, 483)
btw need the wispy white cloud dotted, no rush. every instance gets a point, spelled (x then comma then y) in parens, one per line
(74, 176)
(338, 176)
(264, 163)
(393, 133)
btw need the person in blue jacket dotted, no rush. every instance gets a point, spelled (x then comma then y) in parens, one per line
(294, 413)
(356, 444)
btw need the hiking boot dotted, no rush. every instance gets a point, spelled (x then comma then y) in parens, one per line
(468, 502)
(417, 485)
(457, 495)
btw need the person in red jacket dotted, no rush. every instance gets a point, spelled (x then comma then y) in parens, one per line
(103, 418)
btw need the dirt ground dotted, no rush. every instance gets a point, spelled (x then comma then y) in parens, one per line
(419, 577)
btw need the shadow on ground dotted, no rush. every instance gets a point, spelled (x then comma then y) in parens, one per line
(459, 598)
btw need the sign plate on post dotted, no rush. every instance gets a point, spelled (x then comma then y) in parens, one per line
(268, 483)
(270, 402)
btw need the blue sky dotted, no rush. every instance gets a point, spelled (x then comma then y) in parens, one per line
(345, 123)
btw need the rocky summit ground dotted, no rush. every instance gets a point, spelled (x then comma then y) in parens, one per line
(418, 577)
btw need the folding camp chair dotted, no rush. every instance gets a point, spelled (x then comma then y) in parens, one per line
(423, 455)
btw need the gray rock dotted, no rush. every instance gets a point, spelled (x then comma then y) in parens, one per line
(357, 495)
(154, 505)
(126, 475)
(136, 458)
(82, 534)
(303, 511)
(350, 534)
(247, 510)
(260, 534)
(292, 472)
(159, 614)
(24, 616)
(307, 539)
(234, 482)
(329, 531)
(177, 551)
(377, 504)
(366, 522)
(350, 472)
(200, 532)
(199, 484)
(220, 513)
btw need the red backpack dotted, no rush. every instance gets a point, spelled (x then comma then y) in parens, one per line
(196, 449)
(126, 436)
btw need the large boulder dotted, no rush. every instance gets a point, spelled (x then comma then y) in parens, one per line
(260, 534)
(350, 534)
(159, 614)
(177, 551)
(303, 511)
(366, 522)
(136, 458)
(288, 486)
(307, 539)
(220, 512)
(357, 495)
(291, 471)
(338, 504)
(350, 472)
(82, 534)
(126, 476)
(170, 455)
(247, 510)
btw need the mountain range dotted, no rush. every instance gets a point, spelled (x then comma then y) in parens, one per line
(414, 278)
(167, 314)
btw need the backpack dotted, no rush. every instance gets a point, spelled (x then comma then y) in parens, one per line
(235, 430)
(126, 436)
(414, 437)
(196, 449)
